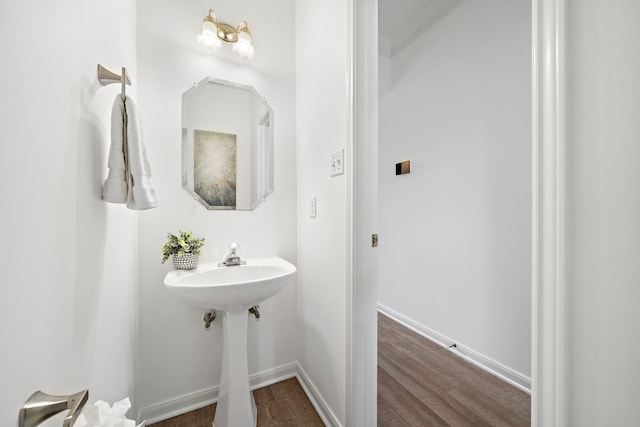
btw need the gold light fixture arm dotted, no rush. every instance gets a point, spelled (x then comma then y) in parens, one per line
(211, 17)
(243, 26)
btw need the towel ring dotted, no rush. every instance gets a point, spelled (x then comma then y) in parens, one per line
(106, 77)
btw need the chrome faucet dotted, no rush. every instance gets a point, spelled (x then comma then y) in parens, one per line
(233, 258)
(41, 406)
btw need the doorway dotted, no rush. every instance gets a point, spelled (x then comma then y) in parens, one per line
(547, 314)
(455, 104)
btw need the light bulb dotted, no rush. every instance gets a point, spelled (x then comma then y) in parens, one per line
(209, 35)
(243, 46)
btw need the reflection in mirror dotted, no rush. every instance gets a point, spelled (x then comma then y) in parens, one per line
(227, 145)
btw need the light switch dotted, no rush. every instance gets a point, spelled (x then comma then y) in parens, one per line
(337, 162)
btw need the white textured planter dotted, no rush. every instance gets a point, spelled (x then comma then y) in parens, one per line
(185, 262)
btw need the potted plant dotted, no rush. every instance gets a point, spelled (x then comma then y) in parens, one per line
(184, 249)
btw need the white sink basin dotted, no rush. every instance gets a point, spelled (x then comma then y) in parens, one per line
(231, 288)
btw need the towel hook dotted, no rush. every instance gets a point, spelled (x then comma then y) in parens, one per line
(106, 77)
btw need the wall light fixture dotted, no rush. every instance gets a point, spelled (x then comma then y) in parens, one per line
(214, 33)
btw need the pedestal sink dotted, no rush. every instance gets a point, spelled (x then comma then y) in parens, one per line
(232, 291)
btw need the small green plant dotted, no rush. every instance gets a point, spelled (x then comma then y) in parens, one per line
(185, 243)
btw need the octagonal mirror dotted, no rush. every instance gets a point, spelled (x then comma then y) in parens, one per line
(227, 145)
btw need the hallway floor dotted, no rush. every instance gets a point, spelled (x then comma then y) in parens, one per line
(423, 384)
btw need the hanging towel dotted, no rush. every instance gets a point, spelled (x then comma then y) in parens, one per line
(129, 179)
(141, 194)
(114, 189)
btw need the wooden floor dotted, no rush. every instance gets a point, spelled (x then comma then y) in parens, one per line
(423, 384)
(283, 404)
(419, 384)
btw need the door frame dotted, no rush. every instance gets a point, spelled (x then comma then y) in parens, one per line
(362, 298)
(548, 310)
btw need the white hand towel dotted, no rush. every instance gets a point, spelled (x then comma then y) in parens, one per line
(129, 179)
(114, 189)
(142, 194)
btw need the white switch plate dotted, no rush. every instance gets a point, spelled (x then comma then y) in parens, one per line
(337, 162)
(312, 206)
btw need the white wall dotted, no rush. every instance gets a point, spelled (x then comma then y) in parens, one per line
(455, 232)
(321, 94)
(67, 312)
(603, 240)
(178, 357)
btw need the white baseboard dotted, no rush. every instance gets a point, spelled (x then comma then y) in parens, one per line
(199, 399)
(505, 373)
(326, 414)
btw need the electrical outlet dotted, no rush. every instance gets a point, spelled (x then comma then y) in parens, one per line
(312, 207)
(337, 162)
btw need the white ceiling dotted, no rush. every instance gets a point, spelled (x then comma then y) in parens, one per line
(400, 21)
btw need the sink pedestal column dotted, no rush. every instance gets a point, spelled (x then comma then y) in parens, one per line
(236, 407)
